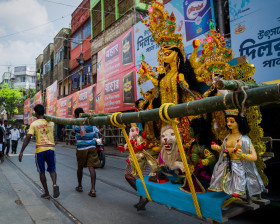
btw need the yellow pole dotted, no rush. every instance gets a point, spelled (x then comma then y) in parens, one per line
(113, 120)
(174, 122)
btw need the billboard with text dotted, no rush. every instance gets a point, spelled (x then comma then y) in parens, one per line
(115, 75)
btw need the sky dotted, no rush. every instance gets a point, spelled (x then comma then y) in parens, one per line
(28, 26)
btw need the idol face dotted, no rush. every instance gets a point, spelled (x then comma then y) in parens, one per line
(231, 123)
(148, 96)
(169, 56)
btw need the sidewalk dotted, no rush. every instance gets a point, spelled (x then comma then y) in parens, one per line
(109, 150)
(11, 208)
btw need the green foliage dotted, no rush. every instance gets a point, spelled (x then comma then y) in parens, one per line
(10, 99)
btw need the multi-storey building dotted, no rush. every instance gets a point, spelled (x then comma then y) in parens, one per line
(81, 73)
(39, 73)
(6, 78)
(23, 76)
(110, 19)
(61, 62)
(47, 77)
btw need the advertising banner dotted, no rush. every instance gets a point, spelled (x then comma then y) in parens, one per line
(51, 98)
(255, 31)
(197, 15)
(38, 98)
(66, 106)
(31, 118)
(61, 107)
(115, 75)
(26, 111)
(192, 21)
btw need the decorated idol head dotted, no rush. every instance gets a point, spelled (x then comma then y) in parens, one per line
(235, 121)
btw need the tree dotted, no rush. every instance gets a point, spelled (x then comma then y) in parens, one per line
(10, 100)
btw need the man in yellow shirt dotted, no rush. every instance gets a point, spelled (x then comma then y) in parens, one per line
(44, 152)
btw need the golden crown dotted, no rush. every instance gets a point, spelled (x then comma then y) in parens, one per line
(214, 57)
(133, 125)
(163, 26)
(233, 112)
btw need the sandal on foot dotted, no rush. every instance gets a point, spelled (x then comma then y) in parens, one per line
(92, 194)
(45, 196)
(79, 189)
(142, 204)
(56, 191)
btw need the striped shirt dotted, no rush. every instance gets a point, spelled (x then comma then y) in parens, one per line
(88, 139)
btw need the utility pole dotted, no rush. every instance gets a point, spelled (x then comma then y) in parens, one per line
(220, 11)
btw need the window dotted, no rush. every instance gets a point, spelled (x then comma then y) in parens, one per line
(66, 52)
(58, 56)
(33, 80)
(47, 67)
(87, 74)
(22, 79)
(96, 20)
(124, 6)
(86, 30)
(109, 11)
(76, 39)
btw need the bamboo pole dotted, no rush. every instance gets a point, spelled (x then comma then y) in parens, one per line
(255, 96)
(94, 115)
(234, 84)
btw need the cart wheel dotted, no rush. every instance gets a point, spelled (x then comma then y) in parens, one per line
(101, 156)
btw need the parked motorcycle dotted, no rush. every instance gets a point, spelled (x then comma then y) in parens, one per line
(100, 151)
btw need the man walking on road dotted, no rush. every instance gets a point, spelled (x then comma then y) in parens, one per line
(6, 145)
(15, 136)
(44, 152)
(2, 141)
(86, 154)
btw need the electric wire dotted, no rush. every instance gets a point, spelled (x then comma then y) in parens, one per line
(35, 27)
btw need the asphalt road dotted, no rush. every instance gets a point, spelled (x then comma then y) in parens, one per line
(113, 204)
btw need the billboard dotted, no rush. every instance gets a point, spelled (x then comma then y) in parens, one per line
(29, 105)
(259, 40)
(26, 111)
(197, 15)
(51, 98)
(66, 106)
(115, 75)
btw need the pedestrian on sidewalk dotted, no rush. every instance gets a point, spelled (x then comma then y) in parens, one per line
(7, 144)
(44, 152)
(2, 141)
(21, 132)
(15, 136)
(86, 153)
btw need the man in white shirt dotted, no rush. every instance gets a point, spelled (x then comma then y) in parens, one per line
(15, 136)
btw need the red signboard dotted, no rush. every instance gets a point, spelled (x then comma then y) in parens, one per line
(66, 106)
(51, 99)
(115, 76)
(29, 105)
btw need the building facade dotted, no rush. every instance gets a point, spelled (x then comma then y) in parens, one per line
(6, 78)
(24, 76)
(39, 73)
(80, 71)
(61, 62)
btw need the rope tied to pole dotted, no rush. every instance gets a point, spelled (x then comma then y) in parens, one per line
(235, 101)
(115, 123)
(163, 113)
